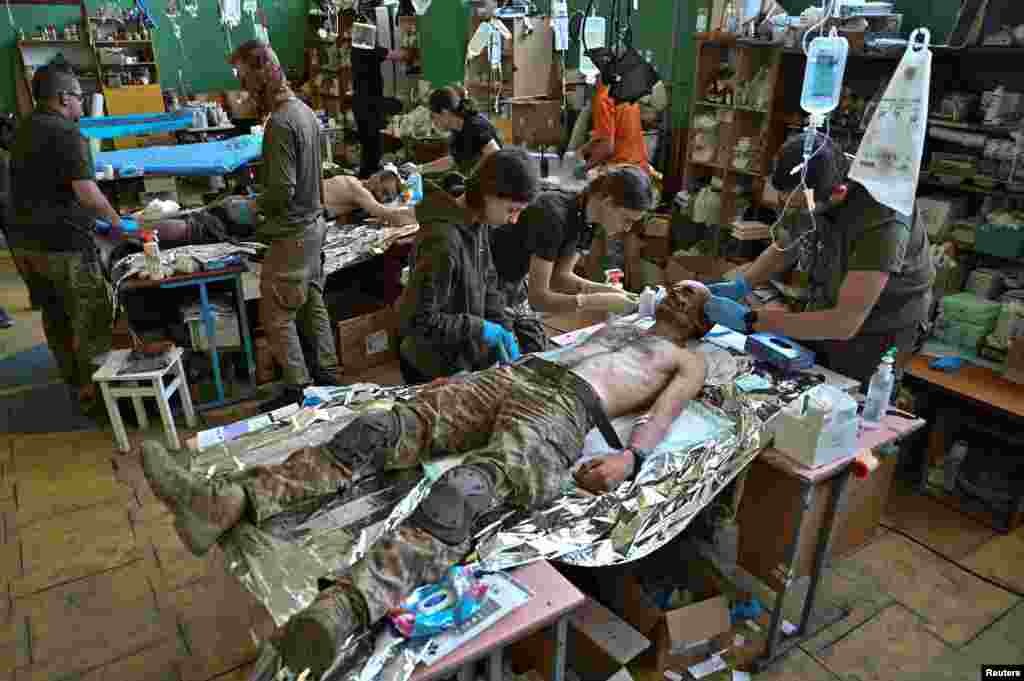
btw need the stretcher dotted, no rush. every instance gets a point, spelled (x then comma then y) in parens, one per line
(282, 561)
(109, 127)
(203, 159)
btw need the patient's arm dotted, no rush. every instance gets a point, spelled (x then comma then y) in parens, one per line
(691, 371)
(605, 473)
(362, 197)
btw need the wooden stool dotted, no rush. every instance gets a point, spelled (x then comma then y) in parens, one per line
(145, 384)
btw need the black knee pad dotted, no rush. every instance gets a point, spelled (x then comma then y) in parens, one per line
(456, 501)
(364, 445)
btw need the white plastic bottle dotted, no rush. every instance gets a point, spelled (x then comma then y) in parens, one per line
(823, 75)
(151, 249)
(647, 302)
(879, 391)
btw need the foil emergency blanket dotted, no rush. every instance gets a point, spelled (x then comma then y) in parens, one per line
(284, 561)
(132, 265)
(347, 245)
(344, 246)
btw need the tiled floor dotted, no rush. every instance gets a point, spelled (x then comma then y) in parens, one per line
(94, 584)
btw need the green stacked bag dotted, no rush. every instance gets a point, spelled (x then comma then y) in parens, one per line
(968, 319)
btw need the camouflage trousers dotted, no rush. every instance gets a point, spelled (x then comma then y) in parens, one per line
(292, 302)
(76, 307)
(526, 422)
(526, 322)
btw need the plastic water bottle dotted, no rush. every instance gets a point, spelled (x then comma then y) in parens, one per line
(647, 302)
(823, 76)
(879, 391)
(151, 249)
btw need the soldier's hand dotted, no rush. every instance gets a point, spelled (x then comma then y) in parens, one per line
(604, 473)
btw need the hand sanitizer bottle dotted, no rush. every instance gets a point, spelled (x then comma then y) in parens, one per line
(879, 392)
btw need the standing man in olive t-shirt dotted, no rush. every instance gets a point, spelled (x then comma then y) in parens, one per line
(54, 203)
(290, 218)
(869, 269)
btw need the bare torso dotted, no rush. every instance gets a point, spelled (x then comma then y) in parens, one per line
(339, 194)
(628, 368)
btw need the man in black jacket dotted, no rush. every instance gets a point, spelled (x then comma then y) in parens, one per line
(369, 105)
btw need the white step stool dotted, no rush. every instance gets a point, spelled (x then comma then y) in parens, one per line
(146, 384)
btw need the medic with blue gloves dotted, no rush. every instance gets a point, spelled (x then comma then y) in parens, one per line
(870, 275)
(452, 314)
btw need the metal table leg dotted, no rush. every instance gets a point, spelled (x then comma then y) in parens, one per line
(243, 320)
(835, 507)
(558, 659)
(495, 671)
(211, 336)
(792, 557)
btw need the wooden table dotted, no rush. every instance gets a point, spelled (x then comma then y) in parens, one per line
(781, 506)
(778, 513)
(554, 599)
(945, 394)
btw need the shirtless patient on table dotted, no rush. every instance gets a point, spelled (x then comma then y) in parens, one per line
(521, 429)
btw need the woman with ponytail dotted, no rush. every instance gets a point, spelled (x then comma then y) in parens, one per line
(471, 139)
(537, 256)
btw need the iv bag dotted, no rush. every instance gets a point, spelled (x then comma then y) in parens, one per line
(594, 31)
(888, 162)
(823, 76)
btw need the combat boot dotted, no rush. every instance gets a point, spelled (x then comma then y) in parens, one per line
(203, 509)
(314, 637)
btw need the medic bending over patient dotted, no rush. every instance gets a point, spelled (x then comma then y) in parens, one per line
(521, 428)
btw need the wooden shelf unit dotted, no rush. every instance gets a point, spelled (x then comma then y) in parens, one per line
(735, 121)
(84, 55)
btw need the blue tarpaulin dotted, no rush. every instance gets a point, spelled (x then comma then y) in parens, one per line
(201, 159)
(109, 127)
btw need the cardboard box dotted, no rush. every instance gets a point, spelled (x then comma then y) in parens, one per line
(601, 644)
(536, 122)
(652, 248)
(658, 226)
(368, 340)
(688, 635)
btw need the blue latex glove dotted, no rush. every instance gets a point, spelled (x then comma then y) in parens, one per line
(502, 341)
(729, 313)
(949, 364)
(737, 290)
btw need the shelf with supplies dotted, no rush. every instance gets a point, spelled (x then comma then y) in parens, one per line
(730, 140)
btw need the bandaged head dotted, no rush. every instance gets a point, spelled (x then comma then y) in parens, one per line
(258, 67)
(683, 307)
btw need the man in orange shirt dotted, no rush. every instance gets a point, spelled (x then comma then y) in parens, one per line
(617, 135)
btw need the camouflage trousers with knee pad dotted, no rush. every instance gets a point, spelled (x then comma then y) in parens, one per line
(525, 423)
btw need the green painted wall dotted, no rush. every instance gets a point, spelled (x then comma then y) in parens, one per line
(201, 57)
(443, 38)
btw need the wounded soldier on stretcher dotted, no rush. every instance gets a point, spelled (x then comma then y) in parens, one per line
(522, 429)
(233, 217)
